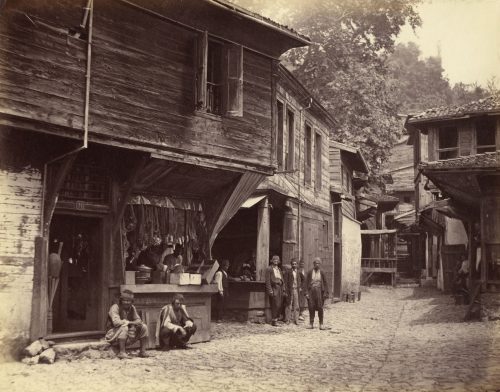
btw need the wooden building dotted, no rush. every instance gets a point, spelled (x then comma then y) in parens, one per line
(170, 104)
(289, 215)
(456, 157)
(398, 173)
(347, 167)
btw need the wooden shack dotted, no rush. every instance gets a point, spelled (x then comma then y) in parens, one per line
(379, 254)
(102, 101)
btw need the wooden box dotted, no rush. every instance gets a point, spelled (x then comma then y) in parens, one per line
(195, 279)
(129, 277)
(180, 279)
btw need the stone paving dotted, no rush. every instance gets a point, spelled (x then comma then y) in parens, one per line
(403, 339)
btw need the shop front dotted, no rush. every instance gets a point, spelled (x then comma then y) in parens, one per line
(119, 213)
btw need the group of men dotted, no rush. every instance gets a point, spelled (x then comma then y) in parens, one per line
(125, 327)
(286, 289)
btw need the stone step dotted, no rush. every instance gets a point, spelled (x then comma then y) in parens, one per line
(76, 349)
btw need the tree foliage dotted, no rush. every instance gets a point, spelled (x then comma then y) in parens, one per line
(345, 67)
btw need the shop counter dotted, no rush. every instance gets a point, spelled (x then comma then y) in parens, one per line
(150, 298)
(248, 300)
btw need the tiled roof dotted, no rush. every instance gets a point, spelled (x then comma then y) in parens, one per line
(485, 105)
(262, 19)
(478, 161)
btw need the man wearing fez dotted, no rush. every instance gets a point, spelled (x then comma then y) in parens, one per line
(274, 288)
(316, 291)
(125, 326)
(174, 327)
(293, 285)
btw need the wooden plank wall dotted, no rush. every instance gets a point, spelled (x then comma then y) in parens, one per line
(42, 66)
(334, 167)
(317, 241)
(20, 213)
(142, 81)
(293, 184)
(143, 89)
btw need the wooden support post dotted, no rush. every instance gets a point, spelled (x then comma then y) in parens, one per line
(39, 302)
(263, 233)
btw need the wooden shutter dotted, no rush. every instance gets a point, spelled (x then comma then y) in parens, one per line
(201, 71)
(234, 81)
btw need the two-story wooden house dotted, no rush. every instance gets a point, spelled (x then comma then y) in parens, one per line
(120, 122)
(456, 159)
(289, 214)
(345, 167)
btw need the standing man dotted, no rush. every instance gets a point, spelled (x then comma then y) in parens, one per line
(302, 297)
(222, 286)
(293, 285)
(274, 288)
(125, 327)
(316, 291)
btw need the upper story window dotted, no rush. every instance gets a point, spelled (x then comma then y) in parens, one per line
(485, 135)
(318, 150)
(308, 155)
(346, 180)
(219, 77)
(290, 151)
(448, 143)
(280, 124)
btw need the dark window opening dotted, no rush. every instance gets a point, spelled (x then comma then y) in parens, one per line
(336, 221)
(485, 135)
(279, 147)
(407, 199)
(214, 77)
(448, 143)
(291, 140)
(308, 155)
(317, 143)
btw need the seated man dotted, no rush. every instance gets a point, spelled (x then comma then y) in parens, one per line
(125, 327)
(174, 327)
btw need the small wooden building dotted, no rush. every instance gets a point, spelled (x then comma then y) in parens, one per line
(103, 102)
(347, 168)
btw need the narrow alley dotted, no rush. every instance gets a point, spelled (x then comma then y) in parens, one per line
(403, 339)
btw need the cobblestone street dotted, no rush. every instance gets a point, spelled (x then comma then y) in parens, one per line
(404, 339)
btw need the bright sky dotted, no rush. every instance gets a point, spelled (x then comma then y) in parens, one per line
(468, 33)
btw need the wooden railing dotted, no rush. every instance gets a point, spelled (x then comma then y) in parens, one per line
(382, 264)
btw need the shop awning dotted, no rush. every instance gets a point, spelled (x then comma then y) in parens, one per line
(251, 201)
(167, 202)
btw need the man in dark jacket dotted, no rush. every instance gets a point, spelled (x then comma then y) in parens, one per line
(293, 286)
(274, 288)
(316, 291)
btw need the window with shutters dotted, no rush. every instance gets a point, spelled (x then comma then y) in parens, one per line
(308, 155)
(485, 135)
(219, 77)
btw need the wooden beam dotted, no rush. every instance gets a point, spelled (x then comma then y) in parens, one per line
(53, 186)
(126, 191)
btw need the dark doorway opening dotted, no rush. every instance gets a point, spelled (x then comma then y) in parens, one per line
(75, 306)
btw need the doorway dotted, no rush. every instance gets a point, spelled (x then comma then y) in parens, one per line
(75, 305)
